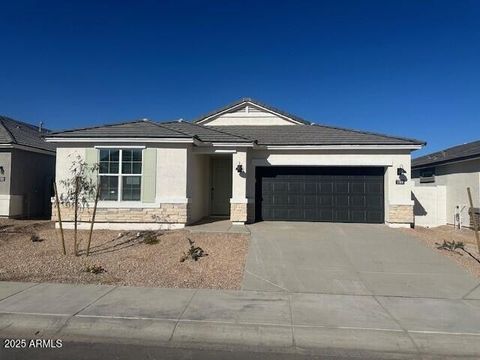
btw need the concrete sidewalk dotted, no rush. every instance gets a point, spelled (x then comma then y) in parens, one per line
(290, 322)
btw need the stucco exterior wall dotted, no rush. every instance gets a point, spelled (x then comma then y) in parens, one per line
(170, 207)
(253, 117)
(25, 186)
(456, 177)
(429, 208)
(5, 162)
(31, 181)
(198, 186)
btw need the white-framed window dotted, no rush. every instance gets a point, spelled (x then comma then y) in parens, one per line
(120, 174)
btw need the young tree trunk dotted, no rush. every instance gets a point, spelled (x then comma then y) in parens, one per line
(474, 218)
(97, 195)
(75, 244)
(57, 203)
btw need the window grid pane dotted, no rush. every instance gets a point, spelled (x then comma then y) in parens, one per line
(108, 188)
(131, 188)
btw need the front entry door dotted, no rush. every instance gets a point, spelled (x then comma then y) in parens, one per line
(221, 185)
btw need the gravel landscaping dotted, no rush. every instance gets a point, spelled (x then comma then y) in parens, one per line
(431, 237)
(125, 257)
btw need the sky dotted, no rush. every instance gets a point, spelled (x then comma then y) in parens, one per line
(406, 68)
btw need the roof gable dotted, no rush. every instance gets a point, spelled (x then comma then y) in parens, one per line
(249, 112)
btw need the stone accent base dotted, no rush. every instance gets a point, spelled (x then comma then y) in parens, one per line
(165, 213)
(401, 214)
(474, 212)
(238, 212)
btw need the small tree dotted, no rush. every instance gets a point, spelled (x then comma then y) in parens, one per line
(80, 187)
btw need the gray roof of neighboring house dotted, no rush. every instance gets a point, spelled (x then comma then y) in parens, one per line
(252, 101)
(313, 135)
(14, 132)
(455, 153)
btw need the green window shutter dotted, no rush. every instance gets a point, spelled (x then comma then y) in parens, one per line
(149, 175)
(91, 158)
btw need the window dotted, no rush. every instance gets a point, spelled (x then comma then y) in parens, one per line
(120, 174)
(427, 175)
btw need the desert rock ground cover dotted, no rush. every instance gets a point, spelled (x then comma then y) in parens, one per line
(125, 257)
(431, 237)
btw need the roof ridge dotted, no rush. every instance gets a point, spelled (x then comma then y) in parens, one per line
(9, 133)
(31, 126)
(164, 127)
(99, 126)
(370, 133)
(220, 131)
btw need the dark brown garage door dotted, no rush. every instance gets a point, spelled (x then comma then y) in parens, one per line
(334, 194)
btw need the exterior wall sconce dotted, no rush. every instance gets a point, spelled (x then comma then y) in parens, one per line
(2, 170)
(239, 168)
(402, 178)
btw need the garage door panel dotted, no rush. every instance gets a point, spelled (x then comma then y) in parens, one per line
(358, 201)
(348, 194)
(342, 200)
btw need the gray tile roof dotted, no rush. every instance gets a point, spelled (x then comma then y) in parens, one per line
(263, 135)
(252, 101)
(14, 132)
(313, 135)
(137, 128)
(455, 153)
(205, 133)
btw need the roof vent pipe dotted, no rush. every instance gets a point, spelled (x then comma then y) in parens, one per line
(40, 126)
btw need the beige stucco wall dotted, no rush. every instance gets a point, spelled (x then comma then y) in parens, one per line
(198, 186)
(456, 177)
(171, 174)
(5, 162)
(171, 199)
(429, 208)
(242, 117)
(65, 157)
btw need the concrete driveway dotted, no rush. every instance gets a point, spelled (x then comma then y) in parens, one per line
(353, 259)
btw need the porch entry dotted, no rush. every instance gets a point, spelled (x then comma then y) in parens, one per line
(221, 190)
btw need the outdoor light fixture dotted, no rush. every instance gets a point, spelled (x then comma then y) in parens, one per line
(2, 170)
(239, 168)
(402, 178)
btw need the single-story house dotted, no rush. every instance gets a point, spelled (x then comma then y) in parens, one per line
(246, 161)
(441, 181)
(27, 170)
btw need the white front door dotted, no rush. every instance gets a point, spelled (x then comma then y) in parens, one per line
(221, 185)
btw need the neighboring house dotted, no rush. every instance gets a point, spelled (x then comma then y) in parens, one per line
(441, 181)
(246, 161)
(27, 170)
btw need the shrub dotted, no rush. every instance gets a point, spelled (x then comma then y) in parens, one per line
(150, 238)
(194, 252)
(95, 269)
(35, 238)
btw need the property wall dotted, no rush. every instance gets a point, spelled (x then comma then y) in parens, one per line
(253, 116)
(198, 186)
(456, 177)
(5, 162)
(31, 183)
(429, 208)
(164, 169)
(398, 203)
